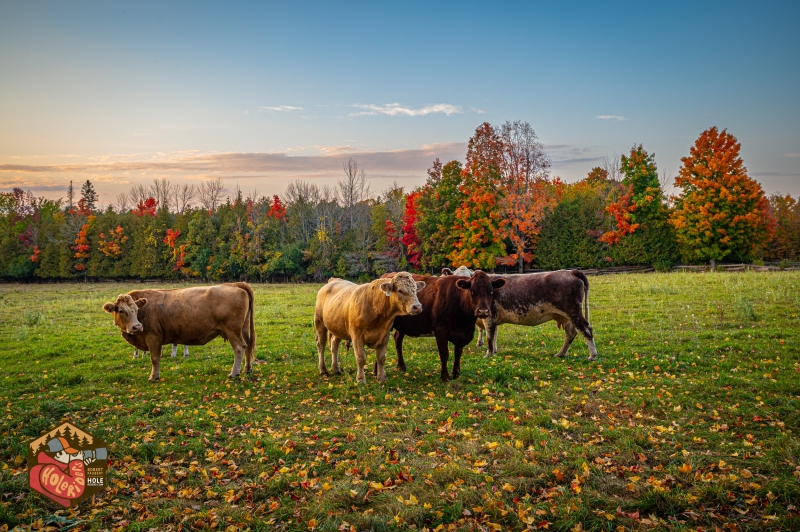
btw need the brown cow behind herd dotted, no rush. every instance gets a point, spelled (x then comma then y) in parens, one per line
(149, 319)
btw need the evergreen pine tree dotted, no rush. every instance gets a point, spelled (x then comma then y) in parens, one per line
(88, 193)
(70, 196)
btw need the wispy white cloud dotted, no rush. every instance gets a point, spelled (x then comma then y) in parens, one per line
(395, 109)
(326, 161)
(792, 155)
(612, 117)
(279, 108)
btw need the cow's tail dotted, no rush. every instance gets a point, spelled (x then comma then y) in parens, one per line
(580, 275)
(251, 347)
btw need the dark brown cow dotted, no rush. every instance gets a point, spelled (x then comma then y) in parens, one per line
(450, 306)
(536, 298)
(189, 316)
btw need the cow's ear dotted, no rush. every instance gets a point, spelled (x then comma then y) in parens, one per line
(463, 284)
(420, 285)
(497, 284)
(141, 302)
(447, 271)
(109, 307)
(387, 287)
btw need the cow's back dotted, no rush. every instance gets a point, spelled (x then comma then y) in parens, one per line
(530, 299)
(192, 315)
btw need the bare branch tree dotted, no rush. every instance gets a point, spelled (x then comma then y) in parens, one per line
(210, 193)
(352, 190)
(184, 196)
(613, 166)
(138, 194)
(525, 157)
(123, 202)
(162, 191)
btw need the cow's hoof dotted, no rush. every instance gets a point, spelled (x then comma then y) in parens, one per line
(323, 372)
(488, 355)
(154, 379)
(336, 370)
(562, 355)
(592, 358)
(232, 376)
(401, 368)
(445, 378)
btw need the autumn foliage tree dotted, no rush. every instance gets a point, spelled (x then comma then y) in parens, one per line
(640, 200)
(436, 207)
(721, 212)
(785, 242)
(480, 224)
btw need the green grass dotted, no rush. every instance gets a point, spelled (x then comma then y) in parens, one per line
(697, 371)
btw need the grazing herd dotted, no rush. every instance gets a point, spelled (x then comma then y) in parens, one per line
(448, 307)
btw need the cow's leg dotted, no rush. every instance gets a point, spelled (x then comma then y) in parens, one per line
(444, 354)
(481, 331)
(586, 330)
(174, 351)
(398, 345)
(491, 336)
(457, 360)
(335, 342)
(569, 335)
(239, 346)
(322, 339)
(185, 351)
(380, 359)
(361, 358)
(249, 349)
(155, 359)
(135, 352)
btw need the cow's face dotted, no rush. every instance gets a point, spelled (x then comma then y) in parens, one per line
(481, 289)
(124, 310)
(403, 289)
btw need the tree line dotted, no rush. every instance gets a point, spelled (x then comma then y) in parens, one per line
(501, 208)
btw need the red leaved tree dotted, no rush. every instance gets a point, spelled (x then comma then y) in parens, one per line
(146, 207)
(410, 238)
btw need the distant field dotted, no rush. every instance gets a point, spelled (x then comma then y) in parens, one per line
(689, 418)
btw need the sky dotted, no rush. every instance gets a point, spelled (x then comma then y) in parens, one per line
(261, 93)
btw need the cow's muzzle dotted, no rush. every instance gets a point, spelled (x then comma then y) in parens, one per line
(482, 313)
(135, 328)
(416, 308)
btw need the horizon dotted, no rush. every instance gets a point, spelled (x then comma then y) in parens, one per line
(260, 95)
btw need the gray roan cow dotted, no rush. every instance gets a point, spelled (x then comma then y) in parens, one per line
(535, 298)
(149, 319)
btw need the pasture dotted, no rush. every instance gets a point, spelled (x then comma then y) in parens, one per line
(688, 419)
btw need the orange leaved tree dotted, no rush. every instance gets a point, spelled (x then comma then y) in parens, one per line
(721, 212)
(479, 223)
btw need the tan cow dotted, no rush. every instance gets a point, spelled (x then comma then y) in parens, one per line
(362, 314)
(149, 319)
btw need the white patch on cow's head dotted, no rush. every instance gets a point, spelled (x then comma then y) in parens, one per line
(461, 271)
(404, 288)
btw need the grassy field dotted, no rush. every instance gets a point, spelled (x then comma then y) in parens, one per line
(688, 419)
